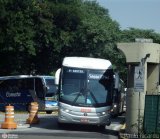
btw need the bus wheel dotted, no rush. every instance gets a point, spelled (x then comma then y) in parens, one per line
(48, 112)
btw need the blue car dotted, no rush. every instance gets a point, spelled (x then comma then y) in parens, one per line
(51, 103)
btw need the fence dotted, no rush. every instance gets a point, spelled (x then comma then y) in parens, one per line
(152, 114)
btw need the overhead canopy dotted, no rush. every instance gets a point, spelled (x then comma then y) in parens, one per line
(134, 52)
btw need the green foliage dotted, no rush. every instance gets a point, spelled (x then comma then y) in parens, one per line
(16, 39)
(36, 35)
(132, 33)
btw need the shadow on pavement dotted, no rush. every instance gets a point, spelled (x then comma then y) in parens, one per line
(45, 123)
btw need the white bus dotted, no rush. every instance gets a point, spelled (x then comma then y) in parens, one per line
(86, 88)
(21, 90)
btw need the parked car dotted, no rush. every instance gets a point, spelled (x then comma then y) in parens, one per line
(51, 103)
(51, 106)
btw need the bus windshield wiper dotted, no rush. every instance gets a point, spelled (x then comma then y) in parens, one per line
(78, 95)
(84, 92)
(91, 93)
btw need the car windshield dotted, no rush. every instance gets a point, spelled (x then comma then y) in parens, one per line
(51, 87)
(86, 87)
(49, 81)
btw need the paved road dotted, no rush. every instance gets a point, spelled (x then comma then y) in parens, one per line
(48, 128)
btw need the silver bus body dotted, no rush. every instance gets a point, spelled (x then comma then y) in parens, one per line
(85, 91)
(83, 115)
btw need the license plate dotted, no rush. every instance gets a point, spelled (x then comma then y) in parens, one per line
(85, 110)
(84, 120)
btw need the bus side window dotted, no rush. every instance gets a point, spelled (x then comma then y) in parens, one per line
(29, 84)
(39, 88)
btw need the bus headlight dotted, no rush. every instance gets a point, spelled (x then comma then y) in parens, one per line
(103, 113)
(66, 110)
(115, 106)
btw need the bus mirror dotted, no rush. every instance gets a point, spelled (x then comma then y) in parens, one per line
(116, 80)
(57, 76)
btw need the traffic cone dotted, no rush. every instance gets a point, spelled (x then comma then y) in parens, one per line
(9, 118)
(33, 114)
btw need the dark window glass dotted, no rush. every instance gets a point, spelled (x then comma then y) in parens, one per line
(84, 87)
(39, 88)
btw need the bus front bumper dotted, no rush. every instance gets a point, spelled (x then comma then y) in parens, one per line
(65, 117)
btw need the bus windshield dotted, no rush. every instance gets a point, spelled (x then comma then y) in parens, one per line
(86, 87)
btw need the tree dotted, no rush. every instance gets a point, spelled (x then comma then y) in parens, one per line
(16, 40)
(37, 34)
(133, 33)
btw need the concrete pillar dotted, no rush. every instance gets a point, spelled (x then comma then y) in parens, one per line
(135, 101)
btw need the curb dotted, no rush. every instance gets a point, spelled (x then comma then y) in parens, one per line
(115, 127)
(19, 126)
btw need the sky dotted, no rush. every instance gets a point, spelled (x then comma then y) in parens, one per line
(142, 14)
